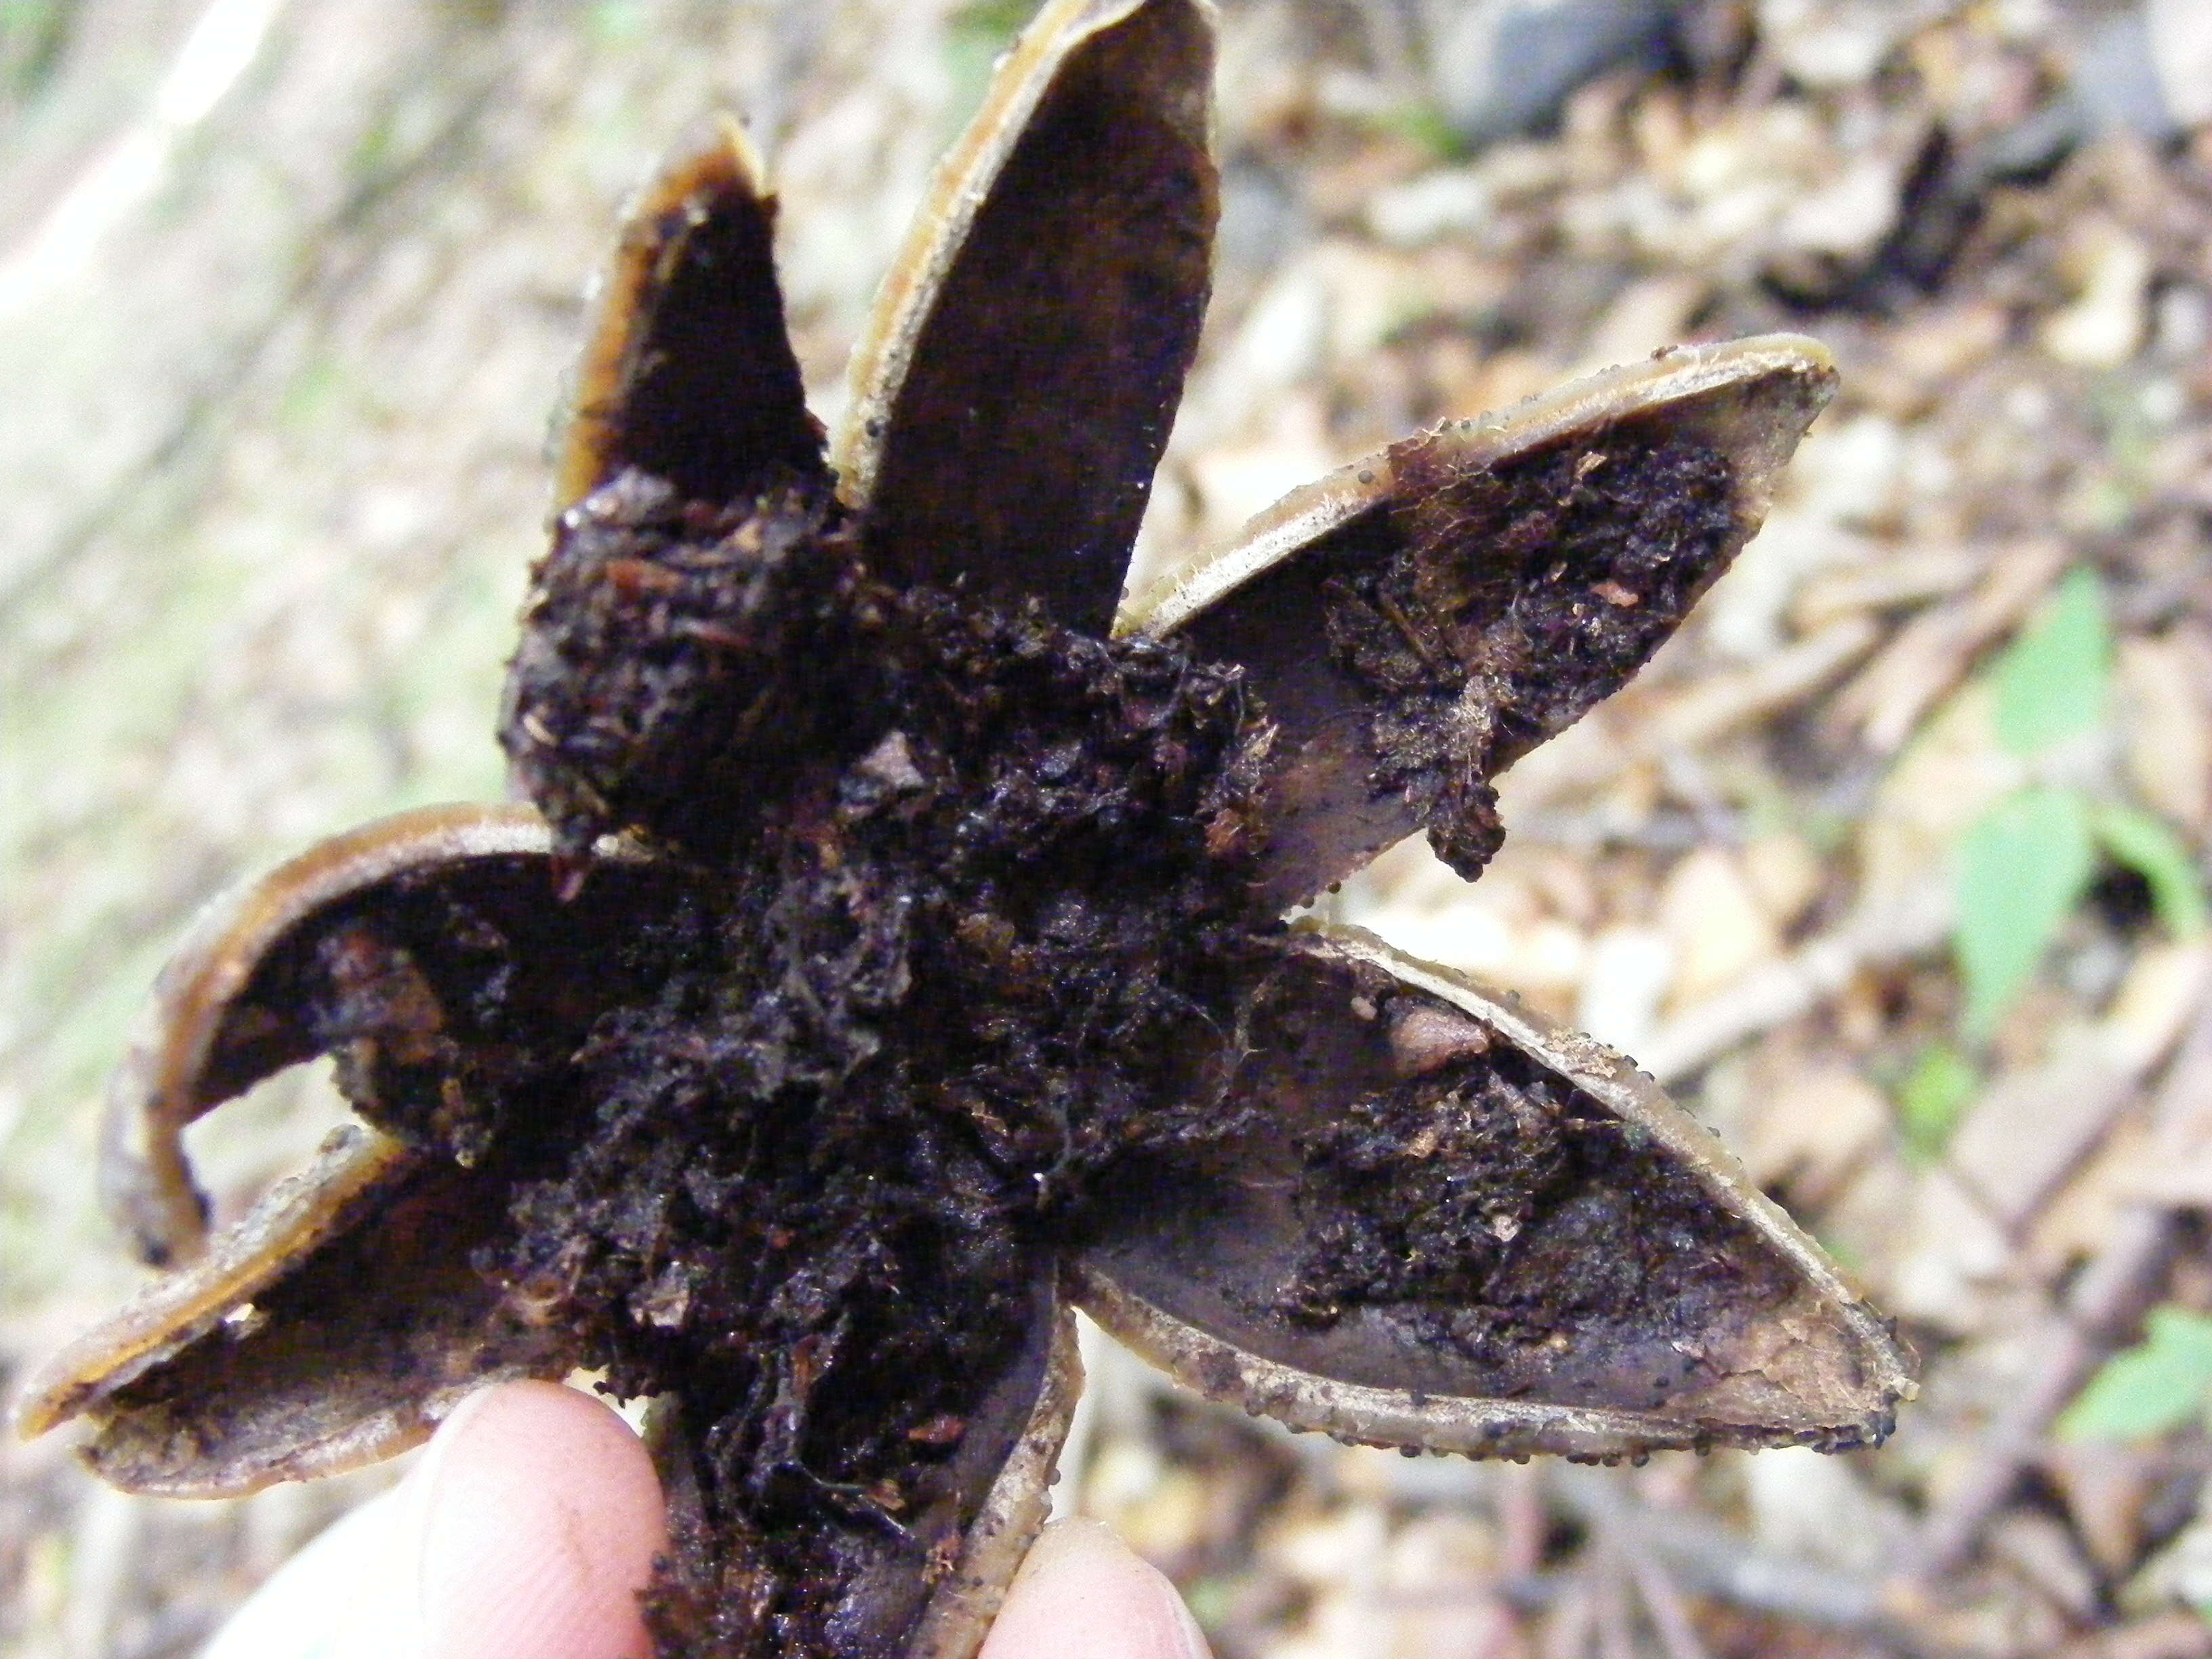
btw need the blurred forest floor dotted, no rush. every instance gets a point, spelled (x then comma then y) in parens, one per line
(1892, 864)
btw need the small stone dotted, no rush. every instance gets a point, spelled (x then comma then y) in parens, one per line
(1444, 201)
(890, 763)
(1847, 218)
(2180, 1574)
(1785, 875)
(1628, 973)
(1837, 43)
(2105, 325)
(2180, 34)
(1716, 923)
(1159, 1508)
(2166, 728)
(1428, 1039)
(1812, 1129)
(1236, 481)
(1320, 1550)
(1805, 1506)
(1503, 67)
(1440, 1552)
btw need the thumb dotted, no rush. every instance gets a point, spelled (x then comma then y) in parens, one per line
(537, 1517)
(524, 1533)
(1083, 1594)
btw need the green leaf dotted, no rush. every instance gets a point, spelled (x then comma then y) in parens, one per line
(34, 34)
(616, 22)
(1428, 126)
(2023, 864)
(1933, 1097)
(974, 35)
(2157, 1385)
(2147, 845)
(2051, 681)
(993, 23)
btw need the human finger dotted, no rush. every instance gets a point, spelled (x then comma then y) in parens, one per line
(1083, 1594)
(525, 1531)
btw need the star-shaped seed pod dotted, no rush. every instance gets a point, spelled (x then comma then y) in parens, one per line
(893, 957)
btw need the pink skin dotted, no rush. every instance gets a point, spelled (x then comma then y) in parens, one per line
(534, 1516)
(538, 1516)
(1083, 1594)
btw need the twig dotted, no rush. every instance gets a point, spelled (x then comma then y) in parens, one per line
(1503, 1636)
(1721, 703)
(1664, 1601)
(1574, 1618)
(2101, 1310)
(1781, 991)
(1714, 706)
(2103, 1303)
(1520, 1524)
(1707, 1558)
(1932, 652)
(2175, 1635)
(1609, 1585)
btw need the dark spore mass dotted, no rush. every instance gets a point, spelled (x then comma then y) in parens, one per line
(1593, 551)
(972, 915)
(1497, 1208)
(967, 908)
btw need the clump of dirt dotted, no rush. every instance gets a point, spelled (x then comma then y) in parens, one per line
(1498, 1210)
(1596, 548)
(1473, 1164)
(449, 1003)
(972, 923)
(967, 896)
(651, 687)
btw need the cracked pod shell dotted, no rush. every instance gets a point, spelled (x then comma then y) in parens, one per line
(1557, 1258)
(341, 1319)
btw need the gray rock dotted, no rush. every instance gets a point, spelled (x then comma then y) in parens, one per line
(1503, 67)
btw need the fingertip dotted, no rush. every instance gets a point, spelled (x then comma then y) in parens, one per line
(539, 1517)
(1083, 1594)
